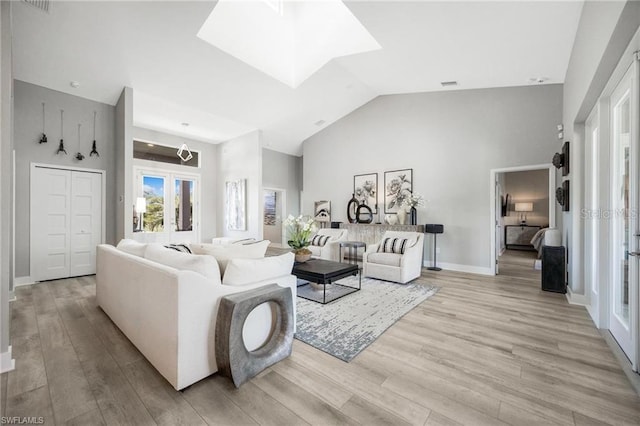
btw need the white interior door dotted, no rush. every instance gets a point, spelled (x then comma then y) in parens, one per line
(624, 223)
(86, 222)
(50, 223)
(498, 217)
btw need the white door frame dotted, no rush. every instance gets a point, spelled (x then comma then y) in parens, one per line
(492, 198)
(73, 169)
(592, 239)
(284, 207)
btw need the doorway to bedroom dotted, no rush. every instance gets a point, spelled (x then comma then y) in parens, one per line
(523, 206)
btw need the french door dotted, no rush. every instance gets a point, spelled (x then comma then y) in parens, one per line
(624, 224)
(166, 208)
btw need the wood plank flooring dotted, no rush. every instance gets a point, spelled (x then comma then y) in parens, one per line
(482, 351)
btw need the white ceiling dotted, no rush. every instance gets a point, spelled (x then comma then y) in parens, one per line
(177, 77)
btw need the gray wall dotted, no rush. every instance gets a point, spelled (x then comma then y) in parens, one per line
(207, 171)
(241, 158)
(451, 140)
(124, 163)
(6, 276)
(283, 171)
(28, 99)
(531, 186)
(604, 32)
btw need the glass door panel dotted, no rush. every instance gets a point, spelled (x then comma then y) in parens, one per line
(183, 205)
(624, 199)
(154, 193)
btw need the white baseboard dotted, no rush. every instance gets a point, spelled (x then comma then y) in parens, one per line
(6, 362)
(470, 269)
(19, 281)
(12, 296)
(576, 299)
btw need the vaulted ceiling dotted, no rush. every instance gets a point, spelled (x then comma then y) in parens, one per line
(152, 46)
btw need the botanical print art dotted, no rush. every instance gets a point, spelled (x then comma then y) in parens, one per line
(365, 189)
(398, 185)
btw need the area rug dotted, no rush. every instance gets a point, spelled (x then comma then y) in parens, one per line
(345, 327)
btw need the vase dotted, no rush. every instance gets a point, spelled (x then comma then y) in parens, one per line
(413, 216)
(402, 217)
(352, 206)
(302, 257)
(391, 219)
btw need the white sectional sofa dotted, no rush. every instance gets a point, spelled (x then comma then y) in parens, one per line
(166, 303)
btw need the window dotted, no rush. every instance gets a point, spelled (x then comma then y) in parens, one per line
(162, 154)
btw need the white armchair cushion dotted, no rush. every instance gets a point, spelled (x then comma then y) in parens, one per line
(320, 240)
(224, 253)
(394, 245)
(247, 271)
(389, 259)
(132, 247)
(204, 265)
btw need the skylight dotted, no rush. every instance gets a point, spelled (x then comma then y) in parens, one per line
(291, 44)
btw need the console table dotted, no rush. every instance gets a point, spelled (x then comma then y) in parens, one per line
(519, 236)
(371, 233)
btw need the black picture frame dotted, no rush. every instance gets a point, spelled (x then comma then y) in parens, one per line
(565, 159)
(567, 200)
(397, 185)
(365, 189)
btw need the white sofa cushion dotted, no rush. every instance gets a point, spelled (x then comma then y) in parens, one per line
(388, 259)
(203, 265)
(224, 253)
(132, 247)
(247, 271)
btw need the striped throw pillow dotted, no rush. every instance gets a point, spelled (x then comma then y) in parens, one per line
(179, 247)
(393, 245)
(320, 240)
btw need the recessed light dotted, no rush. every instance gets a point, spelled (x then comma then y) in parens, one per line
(319, 123)
(74, 84)
(185, 124)
(449, 83)
(150, 144)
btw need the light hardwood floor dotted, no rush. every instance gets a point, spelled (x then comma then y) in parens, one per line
(482, 351)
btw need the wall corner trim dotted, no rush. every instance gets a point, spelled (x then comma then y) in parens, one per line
(576, 299)
(470, 269)
(20, 281)
(6, 362)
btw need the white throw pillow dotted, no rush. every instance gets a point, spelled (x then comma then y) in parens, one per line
(132, 247)
(224, 253)
(247, 271)
(203, 265)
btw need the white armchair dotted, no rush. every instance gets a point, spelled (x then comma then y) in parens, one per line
(385, 264)
(331, 249)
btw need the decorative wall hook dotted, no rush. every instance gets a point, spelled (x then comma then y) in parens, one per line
(43, 138)
(184, 153)
(79, 155)
(94, 150)
(61, 145)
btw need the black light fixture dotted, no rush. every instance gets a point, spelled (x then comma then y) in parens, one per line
(61, 144)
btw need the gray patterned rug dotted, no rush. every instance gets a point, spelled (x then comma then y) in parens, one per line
(345, 327)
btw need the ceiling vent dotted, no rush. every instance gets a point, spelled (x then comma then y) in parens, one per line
(448, 83)
(319, 123)
(40, 4)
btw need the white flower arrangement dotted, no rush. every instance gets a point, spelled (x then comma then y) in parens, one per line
(413, 200)
(299, 229)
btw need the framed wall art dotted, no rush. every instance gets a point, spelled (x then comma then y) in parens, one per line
(322, 211)
(365, 189)
(398, 184)
(236, 205)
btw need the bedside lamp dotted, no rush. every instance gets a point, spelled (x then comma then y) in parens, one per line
(524, 208)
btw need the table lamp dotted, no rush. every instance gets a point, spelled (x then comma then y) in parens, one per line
(524, 208)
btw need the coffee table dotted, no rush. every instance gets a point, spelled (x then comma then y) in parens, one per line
(325, 272)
